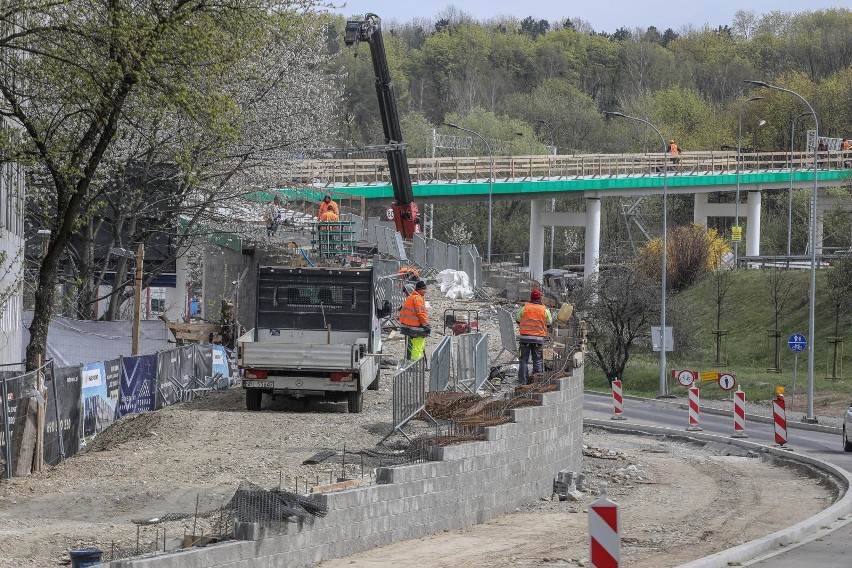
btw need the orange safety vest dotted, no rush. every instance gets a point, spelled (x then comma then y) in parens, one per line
(330, 205)
(534, 320)
(409, 272)
(413, 311)
(328, 216)
(846, 145)
(673, 150)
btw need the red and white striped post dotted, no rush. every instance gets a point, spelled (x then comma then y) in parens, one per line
(779, 416)
(617, 401)
(739, 414)
(604, 539)
(694, 411)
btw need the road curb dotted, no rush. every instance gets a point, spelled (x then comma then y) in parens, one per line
(775, 541)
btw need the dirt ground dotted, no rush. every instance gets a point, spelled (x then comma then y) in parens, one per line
(678, 502)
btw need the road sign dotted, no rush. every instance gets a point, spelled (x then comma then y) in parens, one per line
(709, 376)
(797, 342)
(389, 213)
(685, 377)
(726, 381)
(736, 234)
(656, 339)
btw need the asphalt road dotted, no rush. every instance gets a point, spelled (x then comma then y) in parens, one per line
(831, 550)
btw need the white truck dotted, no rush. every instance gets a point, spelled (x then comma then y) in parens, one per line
(317, 334)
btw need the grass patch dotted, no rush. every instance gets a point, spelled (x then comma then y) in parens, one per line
(747, 316)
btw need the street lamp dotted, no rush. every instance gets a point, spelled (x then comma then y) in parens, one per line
(812, 297)
(137, 289)
(553, 199)
(665, 247)
(490, 178)
(790, 191)
(739, 161)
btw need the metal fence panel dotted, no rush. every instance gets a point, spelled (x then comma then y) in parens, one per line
(357, 226)
(382, 240)
(466, 361)
(507, 333)
(452, 257)
(480, 372)
(439, 254)
(418, 250)
(439, 372)
(398, 248)
(409, 392)
(468, 266)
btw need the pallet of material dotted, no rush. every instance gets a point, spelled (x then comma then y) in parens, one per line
(187, 333)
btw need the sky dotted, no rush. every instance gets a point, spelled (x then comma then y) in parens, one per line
(606, 16)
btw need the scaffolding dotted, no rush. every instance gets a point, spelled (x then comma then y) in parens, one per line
(333, 239)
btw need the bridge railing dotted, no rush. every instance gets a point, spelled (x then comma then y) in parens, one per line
(514, 168)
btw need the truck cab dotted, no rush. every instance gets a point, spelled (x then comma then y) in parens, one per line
(316, 335)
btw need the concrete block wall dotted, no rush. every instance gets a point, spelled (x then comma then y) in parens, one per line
(465, 484)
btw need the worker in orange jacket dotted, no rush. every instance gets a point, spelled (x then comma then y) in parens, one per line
(414, 321)
(328, 203)
(533, 320)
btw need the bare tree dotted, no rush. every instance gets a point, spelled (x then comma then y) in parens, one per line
(619, 307)
(781, 292)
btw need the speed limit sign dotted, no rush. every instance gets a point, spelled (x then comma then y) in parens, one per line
(726, 381)
(389, 213)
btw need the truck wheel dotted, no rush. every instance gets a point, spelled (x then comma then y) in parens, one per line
(253, 399)
(355, 401)
(374, 386)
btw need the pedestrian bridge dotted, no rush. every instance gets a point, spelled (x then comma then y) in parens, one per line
(514, 177)
(592, 177)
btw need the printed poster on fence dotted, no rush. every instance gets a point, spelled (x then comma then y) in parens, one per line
(65, 389)
(98, 406)
(138, 384)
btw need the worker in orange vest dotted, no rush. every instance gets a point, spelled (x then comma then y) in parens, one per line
(415, 322)
(533, 319)
(328, 203)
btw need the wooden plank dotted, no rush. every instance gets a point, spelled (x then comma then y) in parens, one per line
(208, 327)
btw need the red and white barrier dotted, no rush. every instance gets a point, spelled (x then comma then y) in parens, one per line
(617, 402)
(739, 414)
(779, 416)
(694, 411)
(603, 532)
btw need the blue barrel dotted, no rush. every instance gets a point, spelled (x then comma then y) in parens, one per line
(83, 557)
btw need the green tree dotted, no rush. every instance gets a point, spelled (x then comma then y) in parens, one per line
(76, 76)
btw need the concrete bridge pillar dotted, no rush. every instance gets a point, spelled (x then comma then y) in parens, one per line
(699, 211)
(753, 224)
(540, 219)
(537, 238)
(593, 236)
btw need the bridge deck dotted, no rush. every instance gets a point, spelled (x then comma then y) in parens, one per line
(448, 178)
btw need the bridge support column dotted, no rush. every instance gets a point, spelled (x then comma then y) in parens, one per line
(593, 236)
(753, 224)
(699, 212)
(537, 239)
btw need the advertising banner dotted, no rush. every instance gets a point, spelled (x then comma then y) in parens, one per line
(65, 389)
(138, 384)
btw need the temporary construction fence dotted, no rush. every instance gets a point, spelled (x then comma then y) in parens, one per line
(472, 361)
(508, 342)
(76, 403)
(409, 394)
(441, 365)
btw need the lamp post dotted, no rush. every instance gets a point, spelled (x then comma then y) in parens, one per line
(665, 246)
(812, 296)
(790, 191)
(739, 161)
(138, 258)
(490, 178)
(552, 200)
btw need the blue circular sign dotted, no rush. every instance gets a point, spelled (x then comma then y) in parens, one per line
(797, 342)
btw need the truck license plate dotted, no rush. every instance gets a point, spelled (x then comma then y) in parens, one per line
(257, 384)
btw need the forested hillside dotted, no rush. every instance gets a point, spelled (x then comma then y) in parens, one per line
(532, 84)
